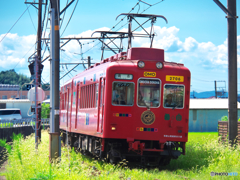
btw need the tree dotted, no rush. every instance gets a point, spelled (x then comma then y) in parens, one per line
(11, 77)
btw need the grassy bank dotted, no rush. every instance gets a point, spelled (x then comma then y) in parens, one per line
(203, 155)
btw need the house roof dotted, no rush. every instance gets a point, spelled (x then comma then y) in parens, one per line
(13, 100)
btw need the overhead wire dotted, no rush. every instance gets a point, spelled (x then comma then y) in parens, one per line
(43, 34)
(110, 29)
(151, 6)
(137, 4)
(24, 55)
(63, 16)
(14, 24)
(70, 18)
(31, 20)
(202, 80)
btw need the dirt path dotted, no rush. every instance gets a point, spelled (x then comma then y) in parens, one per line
(2, 169)
(3, 162)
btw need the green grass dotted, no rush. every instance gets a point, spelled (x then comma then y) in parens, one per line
(203, 155)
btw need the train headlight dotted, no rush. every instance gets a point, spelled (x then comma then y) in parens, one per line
(159, 65)
(141, 64)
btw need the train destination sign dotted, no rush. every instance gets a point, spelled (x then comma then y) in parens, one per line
(149, 82)
(124, 76)
(173, 78)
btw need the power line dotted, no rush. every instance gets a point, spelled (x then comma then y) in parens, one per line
(151, 6)
(202, 80)
(123, 19)
(24, 55)
(45, 12)
(32, 20)
(43, 34)
(63, 16)
(14, 24)
(70, 17)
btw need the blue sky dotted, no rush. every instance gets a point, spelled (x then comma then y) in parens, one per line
(196, 35)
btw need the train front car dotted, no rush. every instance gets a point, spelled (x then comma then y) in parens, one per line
(146, 107)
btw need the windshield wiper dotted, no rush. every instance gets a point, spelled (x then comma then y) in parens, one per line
(175, 106)
(148, 107)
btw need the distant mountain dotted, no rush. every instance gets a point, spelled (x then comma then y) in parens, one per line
(208, 94)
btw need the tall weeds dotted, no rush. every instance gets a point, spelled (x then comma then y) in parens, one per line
(204, 154)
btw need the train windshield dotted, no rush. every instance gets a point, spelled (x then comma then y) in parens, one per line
(122, 94)
(173, 96)
(149, 92)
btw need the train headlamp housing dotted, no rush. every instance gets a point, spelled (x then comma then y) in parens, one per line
(141, 64)
(159, 65)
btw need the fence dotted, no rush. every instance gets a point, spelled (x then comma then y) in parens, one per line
(223, 131)
(23, 126)
(21, 122)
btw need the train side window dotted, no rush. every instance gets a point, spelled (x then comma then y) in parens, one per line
(96, 97)
(81, 98)
(173, 96)
(93, 97)
(122, 94)
(148, 92)
(87, 95)
(65, 100)
(69, 101)
(84, 98)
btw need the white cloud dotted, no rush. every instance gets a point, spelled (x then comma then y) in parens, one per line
(190, 50)
(15, 50)
(74, 47)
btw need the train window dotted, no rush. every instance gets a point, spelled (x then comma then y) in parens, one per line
(74, 99)
(96, 97)
(87, 100)
(69, 101)
(173, 96)
(93, 95)
(123, 93)
(84, 97)
(65, 101)
(79, 97)
(149, 92)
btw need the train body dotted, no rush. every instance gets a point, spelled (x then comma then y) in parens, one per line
(133, 105)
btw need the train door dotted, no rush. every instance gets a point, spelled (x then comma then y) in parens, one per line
(77, 104)
(101, 105)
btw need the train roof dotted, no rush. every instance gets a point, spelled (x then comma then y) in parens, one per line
(135, 53)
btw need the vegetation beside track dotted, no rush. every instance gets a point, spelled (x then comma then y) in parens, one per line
(204, 154)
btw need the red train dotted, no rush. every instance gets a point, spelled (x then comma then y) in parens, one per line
(133, 105)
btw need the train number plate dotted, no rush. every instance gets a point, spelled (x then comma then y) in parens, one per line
(149, 74)
(175, 78)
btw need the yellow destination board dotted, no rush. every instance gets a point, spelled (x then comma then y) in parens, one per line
(173, 78)
(149, 74)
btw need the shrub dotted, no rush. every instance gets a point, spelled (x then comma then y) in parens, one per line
(225, 118)
(45, 110)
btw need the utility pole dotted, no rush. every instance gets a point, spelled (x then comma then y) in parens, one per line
(54, 135)
(39, 50)
(36, 68)
(232, 68)
(215, 82)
